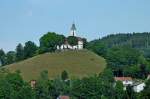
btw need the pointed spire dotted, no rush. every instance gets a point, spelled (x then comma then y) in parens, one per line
(73, 30)
(73, 27)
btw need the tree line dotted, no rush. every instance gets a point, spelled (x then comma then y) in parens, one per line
(140, 41)
(48, 43)
(12, 86)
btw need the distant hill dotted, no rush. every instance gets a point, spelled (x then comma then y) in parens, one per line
(140, 41)
(76, 63)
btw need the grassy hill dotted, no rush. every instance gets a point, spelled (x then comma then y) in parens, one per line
(76, 63)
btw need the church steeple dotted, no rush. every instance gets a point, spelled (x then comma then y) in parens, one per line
(73, 30)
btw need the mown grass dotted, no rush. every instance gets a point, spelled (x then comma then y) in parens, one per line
(76, 63)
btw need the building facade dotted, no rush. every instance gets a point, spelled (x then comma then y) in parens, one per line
(66, 45)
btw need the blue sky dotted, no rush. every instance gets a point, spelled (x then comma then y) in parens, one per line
(24, 20)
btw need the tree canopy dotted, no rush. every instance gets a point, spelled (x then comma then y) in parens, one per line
(49, 42)
(30, 49)
(72, 40)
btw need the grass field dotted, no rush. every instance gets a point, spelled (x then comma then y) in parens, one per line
(76, 63)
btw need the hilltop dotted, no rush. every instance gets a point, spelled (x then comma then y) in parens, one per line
(76, 63)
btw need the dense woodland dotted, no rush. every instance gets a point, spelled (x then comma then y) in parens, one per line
(140, 41)
(125, 54)
(101, 86)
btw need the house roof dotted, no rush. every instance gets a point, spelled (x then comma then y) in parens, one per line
(123, 78)
(79, 39)
(64, 97)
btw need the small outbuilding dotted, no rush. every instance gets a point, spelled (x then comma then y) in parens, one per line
(33, 83)
(63, 97)
(138, 87)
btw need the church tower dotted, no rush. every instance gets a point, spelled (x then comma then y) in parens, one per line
(73, 30)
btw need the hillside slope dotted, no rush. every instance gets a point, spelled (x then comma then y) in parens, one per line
(76, 63)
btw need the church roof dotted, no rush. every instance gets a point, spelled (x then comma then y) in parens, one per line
(79, 39)
(73, 27)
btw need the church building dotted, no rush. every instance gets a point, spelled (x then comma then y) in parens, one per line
(66, 45)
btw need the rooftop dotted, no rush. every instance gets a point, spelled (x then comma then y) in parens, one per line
(123, 78)
(63, 97)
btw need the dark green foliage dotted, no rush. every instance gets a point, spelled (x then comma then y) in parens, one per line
(3, 57)
(94, 87)
(72, 40)
(117, 57)
(30, 49)
(61, 87)
(126, 54)
(26, 92)
(87, 88)
(107, 75)
(19, 52)
(47, 89)
(145, 94)
(121, 57)
(85, 43)
(140, 41)
(43, 89)
(11, 57)
(12, 86)
(130, 94)
(97, 47)
(133, 71)
(49, 42)
(64, 75)
(119, 92)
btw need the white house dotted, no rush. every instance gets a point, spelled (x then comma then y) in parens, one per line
(139, 87)
(66, 45)
(63, 97)
(125, 81)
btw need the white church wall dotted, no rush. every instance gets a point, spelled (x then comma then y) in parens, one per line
(75, 47)
(80, 45)
(58, 47)
(73, 33)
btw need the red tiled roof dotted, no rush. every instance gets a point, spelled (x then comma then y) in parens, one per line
(123, 78)
(64, 97)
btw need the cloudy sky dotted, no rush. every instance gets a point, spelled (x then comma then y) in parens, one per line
(24, 20)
